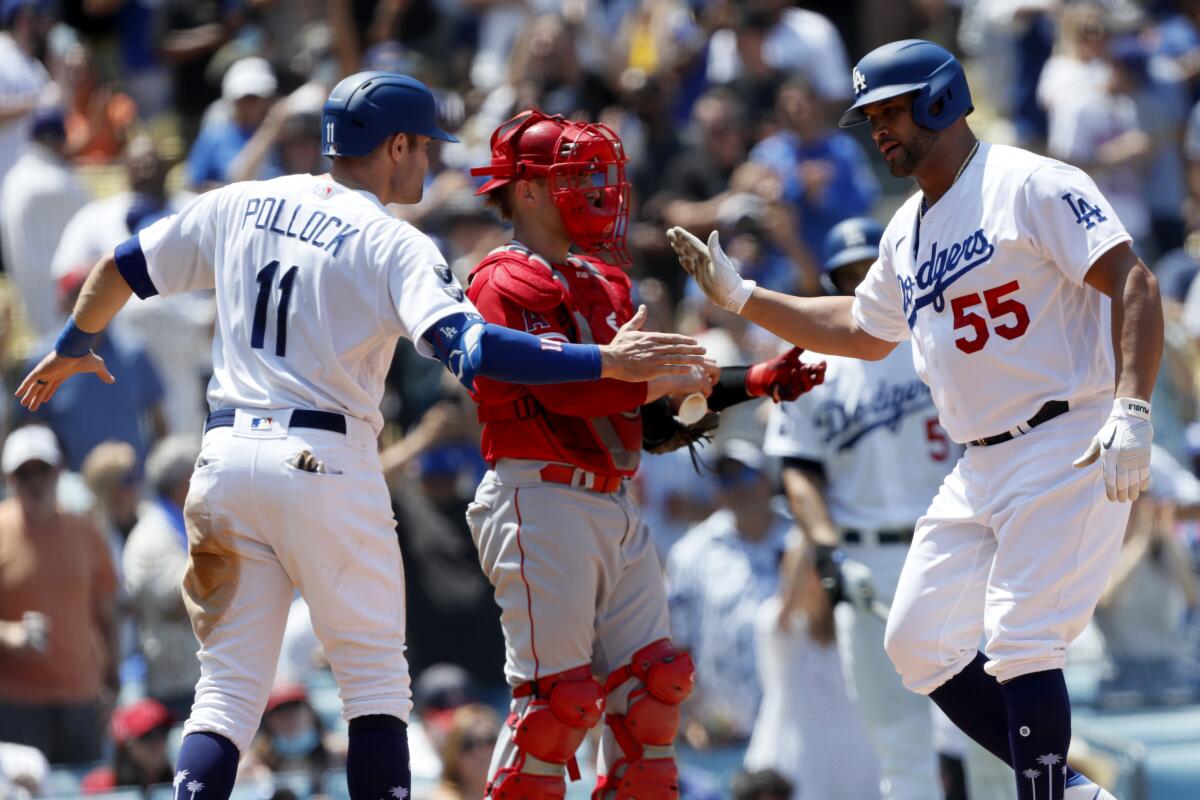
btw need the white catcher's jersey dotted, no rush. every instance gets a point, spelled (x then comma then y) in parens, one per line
(314, 283)
(873, 427)
(989, 286)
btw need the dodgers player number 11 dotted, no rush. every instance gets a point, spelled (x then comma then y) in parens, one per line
(1026, 307)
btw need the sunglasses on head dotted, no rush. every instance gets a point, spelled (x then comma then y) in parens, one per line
(471, 741)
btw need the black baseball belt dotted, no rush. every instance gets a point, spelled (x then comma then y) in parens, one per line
(301, 418)
(1049, 410)
(893, 536)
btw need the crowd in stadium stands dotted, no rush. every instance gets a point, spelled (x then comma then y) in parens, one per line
(114, 113)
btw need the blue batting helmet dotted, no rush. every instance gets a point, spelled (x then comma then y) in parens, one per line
(852, 240)
(911, 66)
(367, 107)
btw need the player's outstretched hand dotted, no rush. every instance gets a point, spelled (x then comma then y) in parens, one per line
(711, 268)
(784, 377)
(1123, 447)
(637, 355)
(41, 384)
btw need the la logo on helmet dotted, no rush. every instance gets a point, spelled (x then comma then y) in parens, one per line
(860, 82)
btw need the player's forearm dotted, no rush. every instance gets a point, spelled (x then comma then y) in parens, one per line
(104, 293)
(808, 507)
(821, 324)
(1137, 330)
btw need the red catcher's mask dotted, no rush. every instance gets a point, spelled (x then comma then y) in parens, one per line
(584, 167)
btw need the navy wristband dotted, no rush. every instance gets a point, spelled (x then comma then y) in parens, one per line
(73, 342)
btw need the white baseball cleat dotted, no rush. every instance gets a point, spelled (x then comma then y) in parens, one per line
(1087, 791)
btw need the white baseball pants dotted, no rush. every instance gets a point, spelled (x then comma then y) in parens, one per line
(1017, 546)
(259, 528)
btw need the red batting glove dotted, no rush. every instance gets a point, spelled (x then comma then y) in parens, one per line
(784, 377)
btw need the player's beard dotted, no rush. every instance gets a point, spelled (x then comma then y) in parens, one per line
(914, 151)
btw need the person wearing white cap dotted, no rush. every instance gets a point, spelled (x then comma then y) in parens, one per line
(247, 88)
(58, 642)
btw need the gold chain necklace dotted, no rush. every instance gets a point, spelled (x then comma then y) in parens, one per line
(957, 175)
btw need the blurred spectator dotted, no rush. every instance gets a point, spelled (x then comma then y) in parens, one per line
(189, 33)
(1162, 110)
(156, 558)
(1097, 129)
(1077, 66)
(139, 732)
(795, 41)
(289, 136)
(765, 784)
(759, 237)
(1142, 611)
(807, 728)
(452, 616)
(291, 738)
(438, 691)
(143, 73)
(467, 231)
(247, 89)
(717, 576)
(698, 176)
(25, 79)
(39, 196)
(86, 412)
(57, 590)
(824, 172)
(112, 476)
(673, 496)
(98, 118)
(176, 330)
(466, 752)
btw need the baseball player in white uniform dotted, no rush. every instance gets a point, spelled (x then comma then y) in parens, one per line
(870, 432)
(315, 281)
(1027, 308)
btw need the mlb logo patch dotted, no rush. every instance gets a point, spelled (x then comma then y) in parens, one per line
(323, 190)
(261, 424)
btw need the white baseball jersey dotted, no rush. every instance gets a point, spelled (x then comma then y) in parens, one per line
(989, 285)
(873, 427)
(315, 282)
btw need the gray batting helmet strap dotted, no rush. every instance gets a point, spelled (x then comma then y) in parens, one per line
(911, 66)
(367, 107)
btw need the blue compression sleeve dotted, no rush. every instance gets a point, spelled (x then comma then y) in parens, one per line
(468, 347)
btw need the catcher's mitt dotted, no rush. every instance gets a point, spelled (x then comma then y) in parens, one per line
(662, 433)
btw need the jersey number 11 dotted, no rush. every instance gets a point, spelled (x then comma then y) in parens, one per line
(266, 279)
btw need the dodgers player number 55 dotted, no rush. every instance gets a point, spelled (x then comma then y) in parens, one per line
(315, 281)
(1017, 285)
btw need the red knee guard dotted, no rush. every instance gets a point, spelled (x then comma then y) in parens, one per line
(566, 706)
(652, 718)
(512, 785)
(551, 728)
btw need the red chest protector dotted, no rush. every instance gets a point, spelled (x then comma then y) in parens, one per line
(584, 300)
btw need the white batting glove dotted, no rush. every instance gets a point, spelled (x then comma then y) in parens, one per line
(712, 269)
(1123, 447)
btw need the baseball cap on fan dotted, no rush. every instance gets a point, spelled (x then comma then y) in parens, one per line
(30, 443)
(248, 77)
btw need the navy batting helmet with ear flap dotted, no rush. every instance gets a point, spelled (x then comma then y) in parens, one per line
(911, 66)
(367, 107)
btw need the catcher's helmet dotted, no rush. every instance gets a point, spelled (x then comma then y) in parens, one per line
(911, 66)
(367, 107)
(850, 241)
(584, 166)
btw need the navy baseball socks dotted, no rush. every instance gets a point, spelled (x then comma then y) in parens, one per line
(377, 758)
(1039, 733)
(206, 767)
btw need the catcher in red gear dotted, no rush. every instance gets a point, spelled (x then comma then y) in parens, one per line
(573, 568)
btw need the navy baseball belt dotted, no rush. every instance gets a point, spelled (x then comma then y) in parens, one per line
(301, 418)
(1049, 410)
(893, 536)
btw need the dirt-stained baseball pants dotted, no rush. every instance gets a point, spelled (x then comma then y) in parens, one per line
(258, 528)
